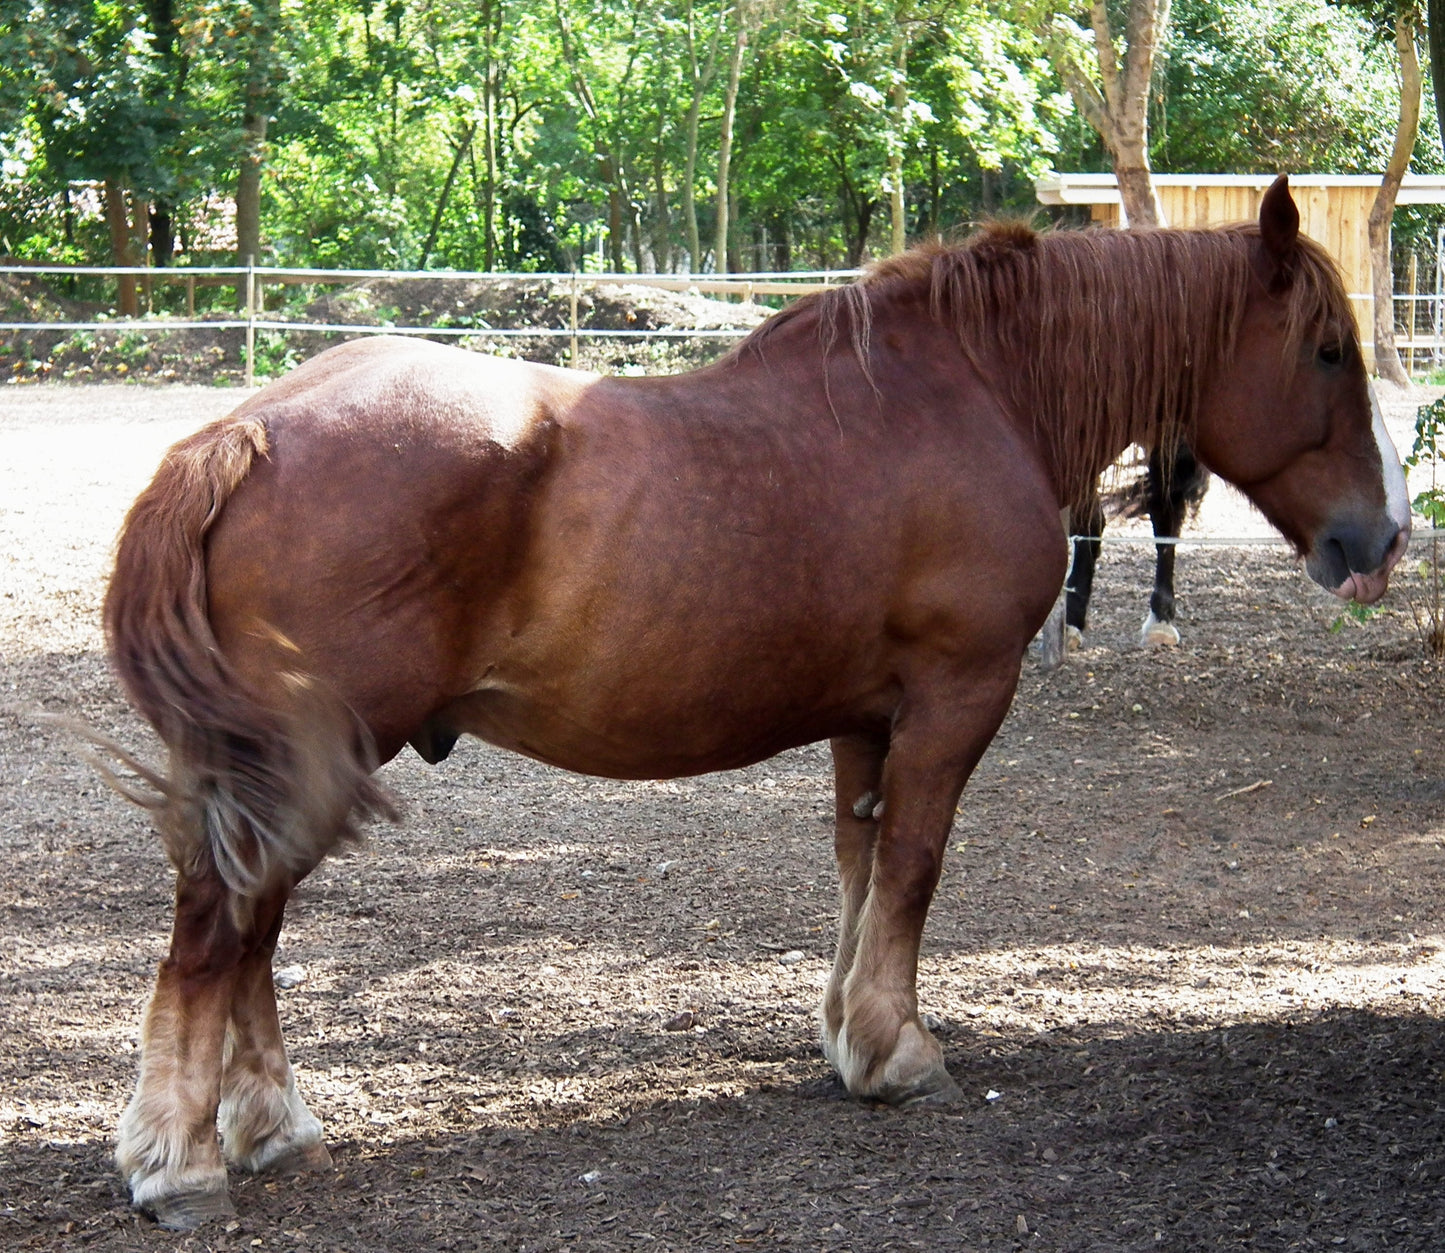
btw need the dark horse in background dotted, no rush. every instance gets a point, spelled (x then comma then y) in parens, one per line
(1170, 492)
(847, 529)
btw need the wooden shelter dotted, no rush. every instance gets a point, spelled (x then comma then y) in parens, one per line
(1334, 211)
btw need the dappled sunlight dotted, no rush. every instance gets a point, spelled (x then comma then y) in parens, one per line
(1086, 985)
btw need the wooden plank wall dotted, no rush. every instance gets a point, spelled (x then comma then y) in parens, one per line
(1333, 216)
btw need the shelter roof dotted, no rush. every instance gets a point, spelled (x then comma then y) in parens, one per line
(1058, 189)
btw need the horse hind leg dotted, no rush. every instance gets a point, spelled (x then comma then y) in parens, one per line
(166, 1144)
(858, 795)
(264, 1124)
(1159, 630)
(1168, 495)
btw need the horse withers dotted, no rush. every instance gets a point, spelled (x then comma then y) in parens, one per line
(847, 529)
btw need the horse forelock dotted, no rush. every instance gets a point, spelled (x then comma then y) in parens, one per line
(1105, 337)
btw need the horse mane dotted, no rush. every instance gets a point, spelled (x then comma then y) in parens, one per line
(1105, 337)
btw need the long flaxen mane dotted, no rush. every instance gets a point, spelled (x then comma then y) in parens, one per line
(1105, 337)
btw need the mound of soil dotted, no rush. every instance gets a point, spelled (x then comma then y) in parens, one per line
(150, 351)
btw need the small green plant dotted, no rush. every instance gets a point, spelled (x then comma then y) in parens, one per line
(133, 347)
(1430, 505)
(1355, 614)
(274, 355)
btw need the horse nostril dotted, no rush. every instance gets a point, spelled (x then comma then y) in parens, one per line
(1397, 548)
(1332, 553)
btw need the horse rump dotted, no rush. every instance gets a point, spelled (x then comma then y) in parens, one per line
(259, 789)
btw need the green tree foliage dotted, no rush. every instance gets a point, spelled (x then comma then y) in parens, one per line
(1289, 85)
(547, 134)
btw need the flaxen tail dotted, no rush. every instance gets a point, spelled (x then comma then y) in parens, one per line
(260, 792)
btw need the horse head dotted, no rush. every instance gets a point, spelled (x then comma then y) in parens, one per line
(1295, 423)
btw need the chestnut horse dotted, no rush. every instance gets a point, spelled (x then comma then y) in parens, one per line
(847, 529)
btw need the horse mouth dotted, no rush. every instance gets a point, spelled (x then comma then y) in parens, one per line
(1330, 567)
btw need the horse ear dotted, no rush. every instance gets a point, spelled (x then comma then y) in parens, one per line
(1279, 228)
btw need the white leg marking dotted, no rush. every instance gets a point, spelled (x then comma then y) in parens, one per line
(159, 1152)
(166, 1142)
(1156, 634)
(263, 1119)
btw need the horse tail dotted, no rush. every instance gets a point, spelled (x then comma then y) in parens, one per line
(258, 789)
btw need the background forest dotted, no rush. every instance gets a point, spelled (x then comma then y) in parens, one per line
(666, 135)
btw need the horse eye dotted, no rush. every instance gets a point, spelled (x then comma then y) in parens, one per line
(1332, 353)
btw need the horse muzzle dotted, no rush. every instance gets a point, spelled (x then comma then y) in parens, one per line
(1354, 561)
(1353, 557)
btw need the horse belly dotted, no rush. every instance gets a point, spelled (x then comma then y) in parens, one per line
(615, 704)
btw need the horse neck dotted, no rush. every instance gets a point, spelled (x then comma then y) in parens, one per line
(1110, 339)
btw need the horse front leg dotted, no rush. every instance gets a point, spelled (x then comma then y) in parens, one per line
(166, 1144)
(880, 1046)
(264, 1123)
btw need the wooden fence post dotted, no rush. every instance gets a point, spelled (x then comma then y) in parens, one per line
(573, 323)
(250, 321)
(1413, 305)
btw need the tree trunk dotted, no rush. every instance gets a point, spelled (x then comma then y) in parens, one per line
(248, 193)
(859, 245)
(464, 145)
(1118, 108)
(700, 78)
(689, 177)
(858, 211)
(897, 208)
(616, 223)
(1387, 359)
(117, 220)
(1137, 197)
(1435, 27)
(259, 47)
(606, 154)
(935, 190)
(492, 19)
(725, 144)
(140, 243)
(171, 48)
(163, 232)
(661, 211)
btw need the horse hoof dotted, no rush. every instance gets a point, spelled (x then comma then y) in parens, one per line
(938, 1088)
(1073, 639)
(935, 1088)
(1156, 634)
(301, 1160)
(185, 1211)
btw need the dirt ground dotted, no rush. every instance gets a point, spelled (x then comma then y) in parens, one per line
(1186, 959)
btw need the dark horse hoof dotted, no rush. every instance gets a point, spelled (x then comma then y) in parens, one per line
(935, 1088)
(304, 1159)
(186, 1211)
